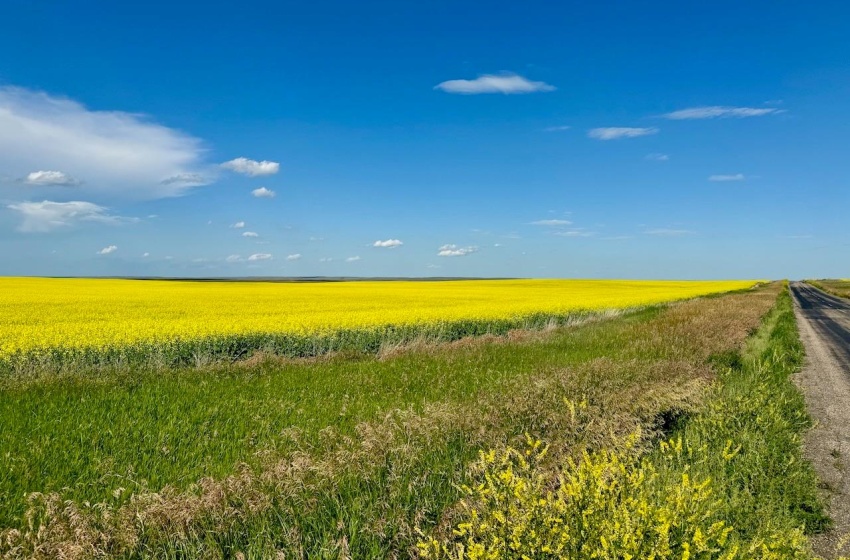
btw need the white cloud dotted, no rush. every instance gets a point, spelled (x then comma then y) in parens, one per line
(47, 215)
(617, 132)
(721, 178)
(250, 234)
(556, 128)
(555, 223)
(109, 152)
(325, 259)
(718, 111)
(107, 250)
(389, 243)
(452, 250)
(50, 178)
(668, 232)
(352, 259)
(263, 192)
(186, 180)
(575, 233)
(260, 257)
(146, 254)
(234, 258)
(238, 225)
(293, 257)
(250, 167)
(658, 157)
(489, 83)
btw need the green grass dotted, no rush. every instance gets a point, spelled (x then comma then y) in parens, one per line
(736, 460)
(140, 429)
(839, 288)
(359, 456)
(767, 488)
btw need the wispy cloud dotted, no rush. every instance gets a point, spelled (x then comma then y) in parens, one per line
(452, 250)
(260, 257)
(250, 167)
(352, 259)
(234, 258)
(185, 180)
(575, 233)
(108, 250)
(551, 223)
(238, 225)
(50, 178)
(658, 157)
(556, 128)
(146, 254)
(668, 232)
(721, 178)
(293, 257)
(106, 152)
(389, 243)
(263, 192)
(250, 234)
(617, 132)
(720, 111)
(48, 215)
(507, 83)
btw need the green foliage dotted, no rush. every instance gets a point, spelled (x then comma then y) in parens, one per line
(837, 287)
(89, 433)
(731, 483)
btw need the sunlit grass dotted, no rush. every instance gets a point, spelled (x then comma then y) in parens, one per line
(345, 456)
(729, 483)
(838, 287)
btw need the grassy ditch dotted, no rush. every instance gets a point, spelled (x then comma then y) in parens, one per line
(840, 288)
(728, 482)
(367, 457)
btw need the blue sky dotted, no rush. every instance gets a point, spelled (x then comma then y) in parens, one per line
(533, 139)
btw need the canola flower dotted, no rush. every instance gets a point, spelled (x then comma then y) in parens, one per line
(91, 315)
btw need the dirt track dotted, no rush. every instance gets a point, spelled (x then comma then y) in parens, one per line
(824, 323)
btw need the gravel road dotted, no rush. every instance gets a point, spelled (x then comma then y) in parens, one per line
(824, 323)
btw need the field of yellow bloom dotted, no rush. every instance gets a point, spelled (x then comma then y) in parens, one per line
(58, 316)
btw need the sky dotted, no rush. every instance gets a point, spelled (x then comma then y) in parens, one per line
(521, 139)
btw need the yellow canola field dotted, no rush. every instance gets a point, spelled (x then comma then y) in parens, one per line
(42, 313)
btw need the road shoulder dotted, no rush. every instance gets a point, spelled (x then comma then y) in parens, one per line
(826, 387)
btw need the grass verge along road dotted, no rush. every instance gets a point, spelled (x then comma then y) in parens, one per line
(368, 457)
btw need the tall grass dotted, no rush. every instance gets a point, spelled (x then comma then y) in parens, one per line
(344, 456)
(730, 482)
(837, 287)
